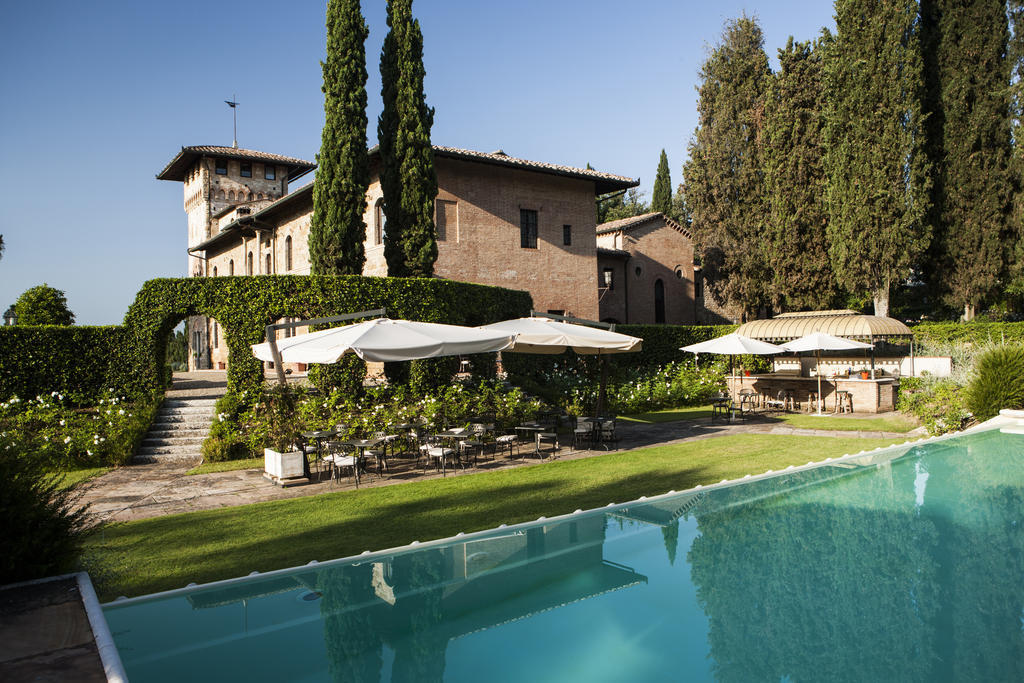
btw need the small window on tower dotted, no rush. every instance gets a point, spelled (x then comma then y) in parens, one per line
(221, 167)
(268, 172)
(567, 235)
(246, 170)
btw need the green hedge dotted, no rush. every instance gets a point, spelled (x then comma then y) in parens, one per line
(942, 335)
(243, 306)
(130, 359)
(80, 362)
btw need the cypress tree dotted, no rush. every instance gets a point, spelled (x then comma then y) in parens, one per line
(407, 177)
(661, 198)
(973, 190)
(723, 177)
(337, 230)
(796, 245)
(878, 175)
(1016, 58)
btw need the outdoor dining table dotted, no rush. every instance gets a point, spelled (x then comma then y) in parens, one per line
(361, 445)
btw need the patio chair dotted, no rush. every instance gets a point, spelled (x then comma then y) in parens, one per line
(777, 403)
(583, 432)
(608, 434)
(339, 459)
(504, 441)
(380, 453)
(440, 455)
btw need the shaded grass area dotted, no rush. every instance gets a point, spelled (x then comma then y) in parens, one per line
(670, 415)
(228, 466)
(80, 476)
(168, 552)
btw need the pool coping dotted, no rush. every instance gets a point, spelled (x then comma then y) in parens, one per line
(107, 650)
(1006, 418)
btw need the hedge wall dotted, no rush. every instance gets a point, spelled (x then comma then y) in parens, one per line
(940, 335)
(79, 362)
(244, 306)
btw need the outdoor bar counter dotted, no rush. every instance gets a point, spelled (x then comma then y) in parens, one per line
(868, 395)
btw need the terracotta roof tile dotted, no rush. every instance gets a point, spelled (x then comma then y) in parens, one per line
(636, 221)
(179, 165)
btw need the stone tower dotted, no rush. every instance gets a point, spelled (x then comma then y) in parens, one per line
(220, 185)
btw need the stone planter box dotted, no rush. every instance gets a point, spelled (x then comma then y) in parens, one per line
(282, 466)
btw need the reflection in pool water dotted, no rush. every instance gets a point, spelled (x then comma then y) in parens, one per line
(880, 569)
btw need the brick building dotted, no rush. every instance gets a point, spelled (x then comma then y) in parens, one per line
(646, 273)
(500, 220)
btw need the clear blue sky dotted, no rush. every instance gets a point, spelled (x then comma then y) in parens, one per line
(99, 96)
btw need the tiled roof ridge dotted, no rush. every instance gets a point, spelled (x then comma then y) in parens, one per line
(239, 151)
(526, 163)
(635, 221)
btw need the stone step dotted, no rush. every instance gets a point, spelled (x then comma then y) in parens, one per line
(187, 402)
(173, 441)
(186, 410)
(168, 457)
(169, 450)
(200, 432)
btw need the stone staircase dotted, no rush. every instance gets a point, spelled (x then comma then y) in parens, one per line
(178, 431)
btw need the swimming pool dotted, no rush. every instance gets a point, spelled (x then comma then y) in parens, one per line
(899, 565)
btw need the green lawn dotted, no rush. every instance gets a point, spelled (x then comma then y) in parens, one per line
(228, 466)
(168, 552)
(670, 415)
(897, 424)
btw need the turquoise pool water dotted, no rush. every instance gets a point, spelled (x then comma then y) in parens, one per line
(901, 566)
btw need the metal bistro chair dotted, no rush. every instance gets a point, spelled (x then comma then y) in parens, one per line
(440, 456)
(380, 453)
(504, 441)
(608, 434)
(778, 403)
(339, 460)
(584, 431)
(475, 443)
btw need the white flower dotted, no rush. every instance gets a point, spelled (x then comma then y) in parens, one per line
(88, 452)
(67, 439)
(121, 412)
(62, 423)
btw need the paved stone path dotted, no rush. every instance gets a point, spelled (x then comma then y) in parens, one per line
(141, 491)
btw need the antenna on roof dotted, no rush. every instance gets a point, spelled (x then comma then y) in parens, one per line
(234, 118)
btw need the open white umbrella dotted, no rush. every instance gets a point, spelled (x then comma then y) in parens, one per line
(383, 339)
(541, 335)
(733, 345)
(818, 342)
(544, 335)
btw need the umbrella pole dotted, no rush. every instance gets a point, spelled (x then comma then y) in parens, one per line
(602, 386)
(817, 367)
(278, 364)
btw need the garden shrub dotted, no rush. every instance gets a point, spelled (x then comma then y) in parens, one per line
(43, 526)
(65, 436)
(347, 375)
(937, 402)
(998, 382)
(428, 375)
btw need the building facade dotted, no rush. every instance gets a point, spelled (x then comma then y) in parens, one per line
(645, 271)
(500, 221)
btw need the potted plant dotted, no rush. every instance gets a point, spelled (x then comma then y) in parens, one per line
(282, 459)
(865, 374)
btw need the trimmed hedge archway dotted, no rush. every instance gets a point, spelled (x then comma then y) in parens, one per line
(245, 305)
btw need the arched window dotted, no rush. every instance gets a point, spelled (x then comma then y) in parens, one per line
(288, 252)
(215, 271)
(231, 196)
(216, 337)
(659, 301)
(248, 264)
(231, 267)
(221, 195)
(378, 222)
(266, 271)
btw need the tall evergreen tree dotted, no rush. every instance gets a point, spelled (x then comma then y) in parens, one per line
(878, 175)
(796, 246)
(723, 177)
(661, 197)
(972, 194)
(337, 230)
(1016, 58)
(407, 177)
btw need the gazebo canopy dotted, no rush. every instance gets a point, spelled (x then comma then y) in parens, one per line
(842, 323)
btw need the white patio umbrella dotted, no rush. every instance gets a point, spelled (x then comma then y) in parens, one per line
(818, 342)
(733, 345)
(544, 335)
(383, 339)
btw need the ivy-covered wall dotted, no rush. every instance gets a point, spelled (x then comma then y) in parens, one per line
(130, 359)
(244, 306)
(939, 336)
(79, 362)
